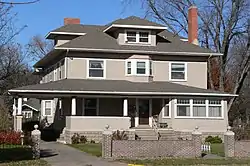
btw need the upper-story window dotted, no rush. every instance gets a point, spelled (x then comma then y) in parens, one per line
(139, 67)
(137, 36)
(96, 69)
(178, 71)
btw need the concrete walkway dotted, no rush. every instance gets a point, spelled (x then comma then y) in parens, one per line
(62, 155)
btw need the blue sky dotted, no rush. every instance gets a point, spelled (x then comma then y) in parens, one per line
(47, 15)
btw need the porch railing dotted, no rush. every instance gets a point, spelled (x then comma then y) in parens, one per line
(155, 127)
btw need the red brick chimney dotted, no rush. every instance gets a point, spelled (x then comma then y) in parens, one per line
(193, 25)
(71, 21)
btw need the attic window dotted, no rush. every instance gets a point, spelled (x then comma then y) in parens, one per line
(137, 37)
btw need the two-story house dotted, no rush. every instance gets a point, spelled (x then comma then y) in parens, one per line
(130, 73)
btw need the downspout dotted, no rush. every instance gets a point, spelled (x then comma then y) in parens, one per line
(66, 64)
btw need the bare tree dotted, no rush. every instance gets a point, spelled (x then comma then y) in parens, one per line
(18, 3)
(38, 47)
(220, 22)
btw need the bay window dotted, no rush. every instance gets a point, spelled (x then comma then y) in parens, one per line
(139, 67)
(96, 69)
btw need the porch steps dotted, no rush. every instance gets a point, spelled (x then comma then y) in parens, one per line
(146, 134)
(167, 134)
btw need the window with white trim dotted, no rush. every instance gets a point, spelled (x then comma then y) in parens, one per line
(129, 67)
(131, 36)
(90, 106)
(143, 37)
(178, 71)
(96, 68)
(139, 67)
(47, 108)
(166, 108)
(214, 108)
(199, 108)
(183, 107)
(137, 36)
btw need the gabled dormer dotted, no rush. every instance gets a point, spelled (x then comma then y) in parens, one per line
(134, 31)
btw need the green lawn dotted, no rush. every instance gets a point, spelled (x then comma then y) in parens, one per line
(18, 156)
(26, 163)
(172, 161)
(93, 149)
(218, 149)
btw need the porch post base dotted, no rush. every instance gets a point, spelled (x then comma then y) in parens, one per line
(18, 123)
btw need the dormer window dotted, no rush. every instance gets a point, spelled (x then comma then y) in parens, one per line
(137, 36)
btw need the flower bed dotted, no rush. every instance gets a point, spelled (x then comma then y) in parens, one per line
(10, 138)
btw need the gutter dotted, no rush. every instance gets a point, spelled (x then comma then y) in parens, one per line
(138, 51)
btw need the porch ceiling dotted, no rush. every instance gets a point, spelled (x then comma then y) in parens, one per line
(76, 87)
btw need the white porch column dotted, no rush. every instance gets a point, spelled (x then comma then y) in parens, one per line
(14, 108)
(18, 125)
(150, 118)
(73, 106)
(125, 107)
(19, 106)
(137, 113)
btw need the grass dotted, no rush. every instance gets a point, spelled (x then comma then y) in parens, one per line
(26, 162)
(91, 148)
(18, 156)
(173, 161)
(218, 149)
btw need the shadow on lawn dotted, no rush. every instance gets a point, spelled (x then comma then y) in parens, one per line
(21, 153)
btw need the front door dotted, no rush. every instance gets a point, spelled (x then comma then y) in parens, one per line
(143, 111)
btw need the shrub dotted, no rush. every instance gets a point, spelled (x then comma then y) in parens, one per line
(10, 137)
(119, 135)
(92, 142)
(213, 140)
(77, 139)
(83, 139)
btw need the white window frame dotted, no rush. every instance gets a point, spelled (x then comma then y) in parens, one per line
(176, 105)
(170, 71)
(104, 68)
(137, 37)
(44, 101)
(134, 67)
(199, 117)
(169, 107)
(25, 113)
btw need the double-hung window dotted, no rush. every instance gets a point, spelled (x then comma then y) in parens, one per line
(143, 37)
(131, 36)
(137, 36)
(140, 67)
(199, 108)
(90, 106)
(183, 107)
(96, 68)
(178, 71)
(47, 108)
(214, 108)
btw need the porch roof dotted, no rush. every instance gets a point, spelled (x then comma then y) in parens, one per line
(115, 87)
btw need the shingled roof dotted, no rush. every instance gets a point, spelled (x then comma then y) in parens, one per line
(117, 87)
